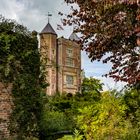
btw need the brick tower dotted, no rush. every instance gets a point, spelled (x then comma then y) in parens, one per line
(48, 49)
(63, 61)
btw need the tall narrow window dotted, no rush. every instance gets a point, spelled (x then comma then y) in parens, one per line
(69, 52)
(69, 62)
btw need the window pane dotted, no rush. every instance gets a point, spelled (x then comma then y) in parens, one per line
(69, 80)
(69, 62)
(69, 52)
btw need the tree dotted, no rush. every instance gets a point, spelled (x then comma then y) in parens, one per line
(131, 98)
(105, 119)
(108, 30)
(91, 86)
(61, 110)
(20, 65)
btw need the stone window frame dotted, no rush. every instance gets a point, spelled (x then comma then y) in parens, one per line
(69, 80)
(69, 62)
(69, 52)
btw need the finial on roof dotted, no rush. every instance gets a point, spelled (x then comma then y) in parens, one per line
(49, 15)
(48, 28)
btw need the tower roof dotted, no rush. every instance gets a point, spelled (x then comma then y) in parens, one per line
(48, 30)
(73, 37)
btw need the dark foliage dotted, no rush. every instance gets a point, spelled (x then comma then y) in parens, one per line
(20, 65)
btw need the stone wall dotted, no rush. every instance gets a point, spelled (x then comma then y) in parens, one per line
(5, 109)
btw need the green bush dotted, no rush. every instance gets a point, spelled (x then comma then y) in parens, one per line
(53, 121)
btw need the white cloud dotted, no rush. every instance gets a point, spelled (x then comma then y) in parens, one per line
(109, 83)
(10, 8)
(33, 13)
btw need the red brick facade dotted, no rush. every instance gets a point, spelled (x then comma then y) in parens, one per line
(63, 63)
(5, 109)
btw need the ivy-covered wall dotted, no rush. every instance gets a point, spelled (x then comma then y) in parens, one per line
(20, 65)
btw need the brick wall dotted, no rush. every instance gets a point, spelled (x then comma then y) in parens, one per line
(5, 109)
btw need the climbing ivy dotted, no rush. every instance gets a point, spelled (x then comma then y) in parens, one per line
(20, 65)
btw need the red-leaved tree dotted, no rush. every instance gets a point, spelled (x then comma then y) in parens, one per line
(109, 28)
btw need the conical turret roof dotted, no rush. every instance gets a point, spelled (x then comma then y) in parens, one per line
(74, 37)
(48, 30)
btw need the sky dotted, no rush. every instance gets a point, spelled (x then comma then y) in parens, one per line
(33, 15)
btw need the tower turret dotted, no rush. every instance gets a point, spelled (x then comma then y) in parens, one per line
(48, 30)
(48, 50)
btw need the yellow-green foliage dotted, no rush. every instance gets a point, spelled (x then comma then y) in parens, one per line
(75, 136)
(104, 120)
(68, 137)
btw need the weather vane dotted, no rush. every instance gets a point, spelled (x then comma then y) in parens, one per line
(49, 15)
